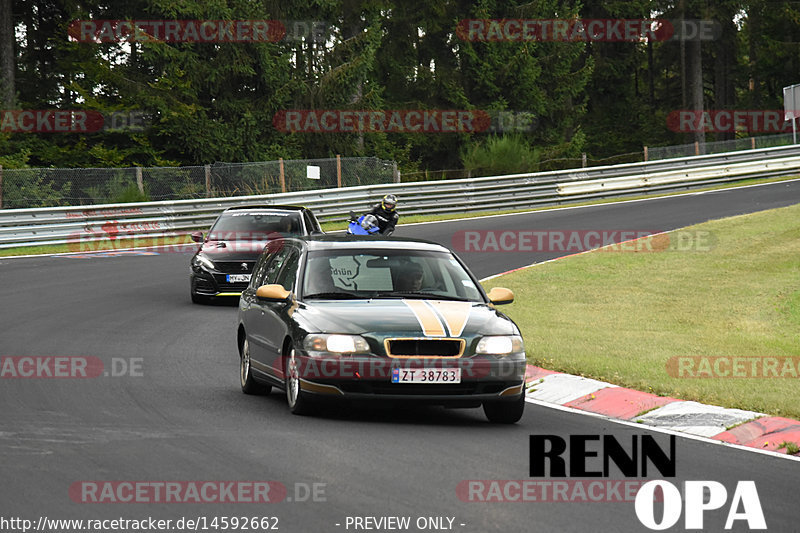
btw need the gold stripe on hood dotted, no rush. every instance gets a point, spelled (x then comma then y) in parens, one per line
(455, 315)
(431, 325)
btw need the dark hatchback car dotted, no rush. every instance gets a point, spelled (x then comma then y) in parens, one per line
(343, 317)
(224, 261)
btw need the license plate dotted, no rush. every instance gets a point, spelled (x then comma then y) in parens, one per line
(235, 278)
(426, 375)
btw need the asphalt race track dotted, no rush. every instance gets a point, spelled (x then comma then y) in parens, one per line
(176, 413)
(652, 215)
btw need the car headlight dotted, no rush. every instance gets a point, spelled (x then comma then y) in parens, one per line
(500, 345)
(327, 343)
(203, 261)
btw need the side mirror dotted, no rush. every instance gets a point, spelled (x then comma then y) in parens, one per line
(197, 236)
(272, 293)
(500, 296)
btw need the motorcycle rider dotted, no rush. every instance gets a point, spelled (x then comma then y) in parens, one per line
(386, 214)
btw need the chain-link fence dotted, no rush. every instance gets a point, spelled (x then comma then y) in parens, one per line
(649, 153)
(49, 187)
(562, 163)
(718, 147)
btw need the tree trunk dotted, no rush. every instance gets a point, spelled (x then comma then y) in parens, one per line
(684, 73)
(695, 85)
(722, 67)
(754, 25)
(7, 85)
(692, 62)
(353, 27)
(651, 83)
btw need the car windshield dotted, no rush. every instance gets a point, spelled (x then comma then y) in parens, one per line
(247, 225)
(348, 274)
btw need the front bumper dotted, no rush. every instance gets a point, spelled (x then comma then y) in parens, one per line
(214, 284)
(482, 378)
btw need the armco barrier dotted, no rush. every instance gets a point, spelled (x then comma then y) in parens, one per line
(62, 225)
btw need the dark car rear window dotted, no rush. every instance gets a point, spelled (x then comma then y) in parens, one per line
(255, 226)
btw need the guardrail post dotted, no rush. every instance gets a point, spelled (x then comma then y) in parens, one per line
(583, 160)
(1, 186)
(645, 154)
(283, 177)
(338, 170)
(753, 143)
(696, 148)
(395, 172)
(207, 171)
(139, 182)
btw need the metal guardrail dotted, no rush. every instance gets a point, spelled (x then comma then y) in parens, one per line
(82, 224)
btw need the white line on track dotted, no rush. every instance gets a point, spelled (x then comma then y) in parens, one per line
(564, 208)
(647, 427)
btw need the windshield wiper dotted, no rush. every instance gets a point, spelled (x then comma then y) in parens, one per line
(425, 295)
(333, 296)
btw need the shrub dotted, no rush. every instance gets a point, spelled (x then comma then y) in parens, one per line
(509, 154)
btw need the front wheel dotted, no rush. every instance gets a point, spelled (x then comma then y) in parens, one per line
(249, 385)
(500, 412)
(199, 299)
(299, 402)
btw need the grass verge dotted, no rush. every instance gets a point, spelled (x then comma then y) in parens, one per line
(621, 316)
(791, 447)
(333, 226)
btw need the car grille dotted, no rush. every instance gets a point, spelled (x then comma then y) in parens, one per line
(424, 347)
(234, 267)
(224, 286)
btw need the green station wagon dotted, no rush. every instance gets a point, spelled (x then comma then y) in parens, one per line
(355, 318)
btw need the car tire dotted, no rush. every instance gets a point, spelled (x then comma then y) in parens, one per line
(249, 385)
(299, 402)
(499, 412)
(198, 299)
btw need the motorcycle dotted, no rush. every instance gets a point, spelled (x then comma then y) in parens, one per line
(362, 225)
